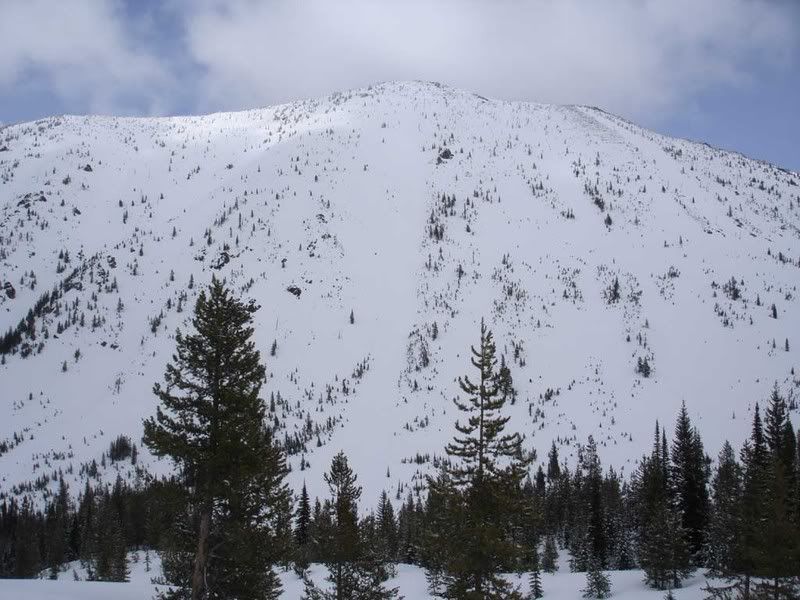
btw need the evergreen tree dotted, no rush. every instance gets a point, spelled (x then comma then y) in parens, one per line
(662, 543)
(769, 501)
(353, 572)
(57, 530)
(110, 560)
(725, 518)
(598, 584)
(553, 497)
(550, 555)
(479, 490)
(27, 556)
(754, 461)
(617, 523)
(779, 541)
(320, 530)
(301, 531)
(535, 579)
(553, 468)
(775, 420)
(211, 424)
(344, 542)
(689, 481)
(588, 540)
(386, 528)
(408, 531)
(506, 381)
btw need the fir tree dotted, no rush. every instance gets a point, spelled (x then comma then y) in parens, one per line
(774, 423)
(535, 579)
(386, 528)
(301, 531)
(211, 424)
(344, 541)
(598, 584)
(353, 573)
(662, 542)
(407, 542)
(588, 540)
(553, 468)
(724, 525)
(57, 530)
(27, 556)
(480, 490)
(110, 561)
(689, 482)
(550, 555)
(778, 541)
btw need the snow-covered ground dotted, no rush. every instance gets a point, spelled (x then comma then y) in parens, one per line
(410, 580)
(342, 198)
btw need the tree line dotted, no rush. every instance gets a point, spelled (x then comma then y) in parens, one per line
(227, 520)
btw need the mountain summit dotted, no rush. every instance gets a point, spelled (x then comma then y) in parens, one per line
(622, 273)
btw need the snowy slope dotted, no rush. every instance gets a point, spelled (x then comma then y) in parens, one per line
(410, 581)
(341, 197)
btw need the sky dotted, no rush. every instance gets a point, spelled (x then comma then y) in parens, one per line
(726, 72)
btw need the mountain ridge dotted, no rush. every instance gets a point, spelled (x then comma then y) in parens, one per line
(353, 200)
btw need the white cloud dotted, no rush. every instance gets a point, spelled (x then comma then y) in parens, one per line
(639, 58)
(634, 57)
(80, 51)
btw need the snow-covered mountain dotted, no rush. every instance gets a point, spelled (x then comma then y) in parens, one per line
(419, 210)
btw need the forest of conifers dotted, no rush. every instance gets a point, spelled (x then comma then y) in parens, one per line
(227, 520)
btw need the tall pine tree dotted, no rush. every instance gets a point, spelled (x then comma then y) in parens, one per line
(689, 481)
(211, 423)
(662, 543)
(354, 573)
(479, 490)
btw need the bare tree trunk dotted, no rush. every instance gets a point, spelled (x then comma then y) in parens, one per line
(201, 556)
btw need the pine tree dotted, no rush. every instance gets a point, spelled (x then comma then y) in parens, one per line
(211, 424)
(550, 555)
(344, 544)
(27, 556)
(662, 542)
(386, 528)
(689, 481)
(353, 573)
(779, 540)
(110, 553)
(723, 527)
(535, 579)
(553, 468)
(301, 531)
(613, 292)
(774, 423)
(480, 490)
(770, 521)
(506, 381)
(588, 540)
(598, 584)
(57, 530)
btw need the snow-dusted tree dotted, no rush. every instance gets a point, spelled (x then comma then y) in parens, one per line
(598, 585)
(550, 555)
(535, 579)
(479, 490)
(689, 481)
(662, 543)
(211, 424)
(354, 572)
